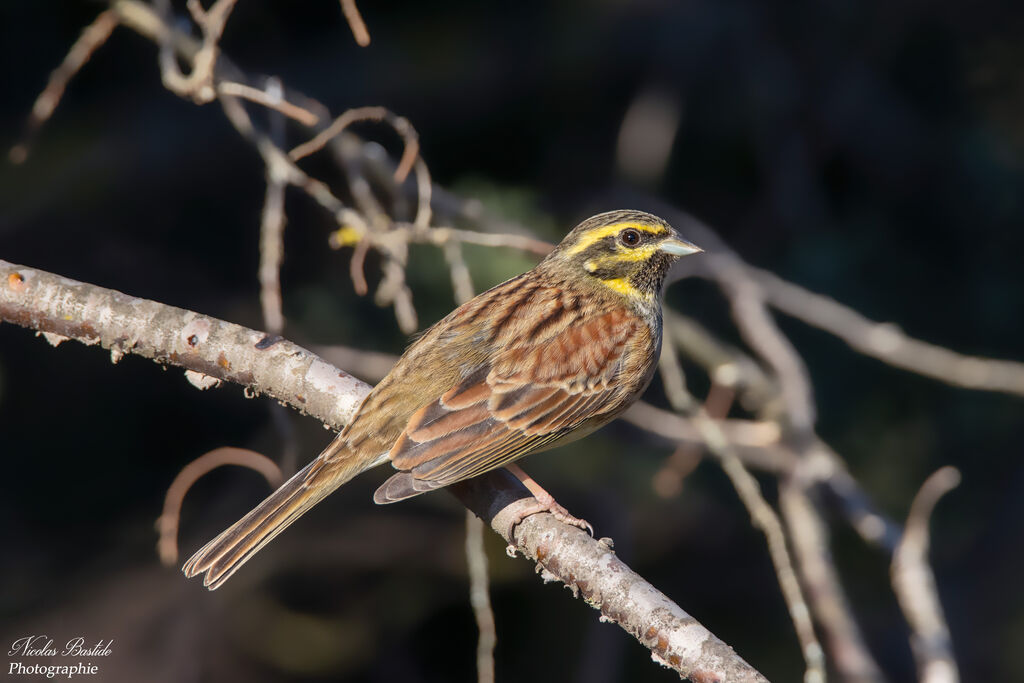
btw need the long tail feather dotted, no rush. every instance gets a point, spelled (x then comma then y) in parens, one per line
(221, 557)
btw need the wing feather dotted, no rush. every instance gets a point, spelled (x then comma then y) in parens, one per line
(530, 396)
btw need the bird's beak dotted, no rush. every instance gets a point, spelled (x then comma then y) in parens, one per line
(678, 247)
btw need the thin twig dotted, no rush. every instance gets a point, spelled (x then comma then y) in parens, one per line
(761, 513)
(668, 480)
(767, 521)
(167, 523)
(199, 84)
(488, 239)
(355, 22)
(480, 598)
(278, 104)
(759, 330)
(355, 267)
(462, 283)
(424, 192)
(272, 226)
(393, 289)
(400, 125)
(92, 38)
(888, 343)
(808, 537)
(725, 364)
(914, 584)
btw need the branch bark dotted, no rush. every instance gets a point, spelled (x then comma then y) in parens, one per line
(61, 308)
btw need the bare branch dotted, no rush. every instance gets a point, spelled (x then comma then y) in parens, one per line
(247, 92)
(914, 583)
(400, 124)
(65, 308)
(809, 538)
(462, 284)
(480, 598)
(272, 226)
(767, 521)
(814, 464)
(761, 513)
(592, 571)
(522, 242)
(92, 38)
(889, 344)
(879, 340)
(197, 85)
(424, 194)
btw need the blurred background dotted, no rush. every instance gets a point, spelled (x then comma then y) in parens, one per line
(870, 151)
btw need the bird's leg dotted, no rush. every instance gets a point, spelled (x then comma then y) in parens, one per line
(545, 502)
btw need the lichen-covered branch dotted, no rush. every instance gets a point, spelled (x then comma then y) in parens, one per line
(592, 570)
(63, 309)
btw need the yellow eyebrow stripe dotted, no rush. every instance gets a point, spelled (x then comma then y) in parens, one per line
(598, 234)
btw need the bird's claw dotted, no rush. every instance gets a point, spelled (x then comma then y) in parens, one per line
(556, 510)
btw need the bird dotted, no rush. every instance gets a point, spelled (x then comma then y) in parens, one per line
(542, 359)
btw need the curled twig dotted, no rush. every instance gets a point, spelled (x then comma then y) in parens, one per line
(167, 523)
(199, 84)
(355, 269)
(400, 125)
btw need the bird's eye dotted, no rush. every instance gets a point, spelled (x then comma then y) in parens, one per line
(630, 237)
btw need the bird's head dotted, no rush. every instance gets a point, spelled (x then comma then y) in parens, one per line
(628, 252)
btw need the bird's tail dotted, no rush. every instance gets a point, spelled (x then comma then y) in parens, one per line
(221, 557)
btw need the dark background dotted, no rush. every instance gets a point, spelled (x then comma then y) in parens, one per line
(871, 151)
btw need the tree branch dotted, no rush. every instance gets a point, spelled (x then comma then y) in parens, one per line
(914, 584)
(61, 308)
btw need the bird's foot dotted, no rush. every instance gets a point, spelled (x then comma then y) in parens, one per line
(545, 503)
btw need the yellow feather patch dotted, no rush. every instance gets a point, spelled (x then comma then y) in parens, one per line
(598, 234)
(623, 286)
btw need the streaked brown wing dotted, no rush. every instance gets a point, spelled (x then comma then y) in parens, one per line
(529, 397)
